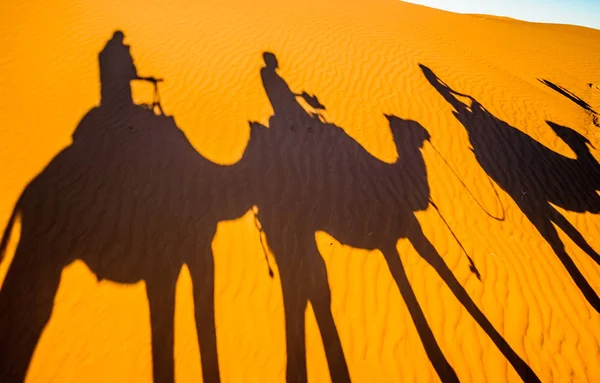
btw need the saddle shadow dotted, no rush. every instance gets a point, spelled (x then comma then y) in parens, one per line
(533, 175)
(133, 200)
(312, 176)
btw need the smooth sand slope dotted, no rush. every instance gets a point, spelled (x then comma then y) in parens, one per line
(427, 211)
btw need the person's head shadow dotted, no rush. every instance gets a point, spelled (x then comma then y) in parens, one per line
(535, 176)
(133, 200)
(324, 180)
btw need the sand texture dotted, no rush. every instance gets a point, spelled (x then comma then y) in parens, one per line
(365, 191)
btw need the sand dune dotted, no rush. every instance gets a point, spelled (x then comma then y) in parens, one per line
(438, 220)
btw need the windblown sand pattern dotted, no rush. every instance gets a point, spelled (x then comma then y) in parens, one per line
(494, 120)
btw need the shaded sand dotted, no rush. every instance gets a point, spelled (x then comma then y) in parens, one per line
(507, 105)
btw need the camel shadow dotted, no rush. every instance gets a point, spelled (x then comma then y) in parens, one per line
(576, 99)
(568, 94)
(533, 175)
(310, 176)
(133, 200)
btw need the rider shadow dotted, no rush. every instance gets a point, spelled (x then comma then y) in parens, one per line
(534, 176)
(313, 177)
(133, 200)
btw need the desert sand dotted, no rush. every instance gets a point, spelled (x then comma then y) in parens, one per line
(438, 220)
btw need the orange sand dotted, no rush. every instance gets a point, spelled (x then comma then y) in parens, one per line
(361, 59)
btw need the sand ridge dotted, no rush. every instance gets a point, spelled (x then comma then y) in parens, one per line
(362, 61)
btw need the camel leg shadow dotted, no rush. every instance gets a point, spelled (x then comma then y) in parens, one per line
(294, 302)
(320, 298)
(161, 291)
(26, 304)
(430, 254)
(543, 223)
(304, 280)
(161, 300)
(434, 353)
(574, 234)
(203, 280)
